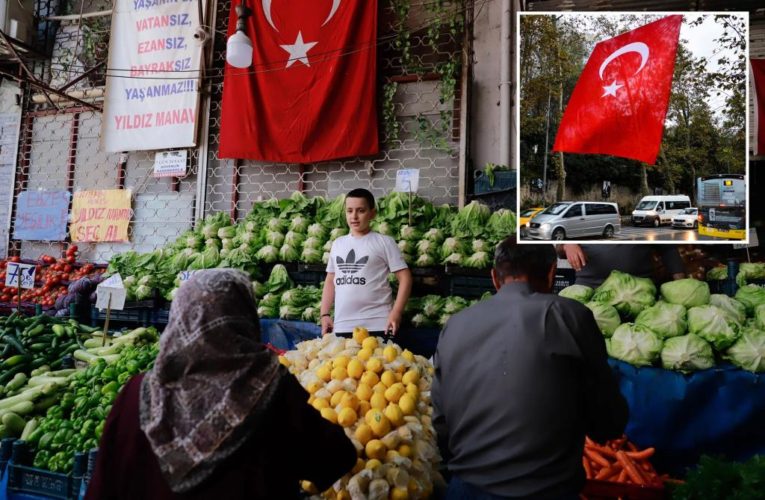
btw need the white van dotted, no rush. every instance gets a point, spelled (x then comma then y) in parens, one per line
(658, 210)
(575, 219)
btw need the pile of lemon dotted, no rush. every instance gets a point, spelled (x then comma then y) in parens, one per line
(380, 394)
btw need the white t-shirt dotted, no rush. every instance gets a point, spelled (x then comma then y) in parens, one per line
(363, 296)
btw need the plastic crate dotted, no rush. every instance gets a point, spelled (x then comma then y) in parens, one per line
(504, 180)
(602, 490)
(133, 317)
(160, 317)
(309, 274)
(563, 278)
(26, 480)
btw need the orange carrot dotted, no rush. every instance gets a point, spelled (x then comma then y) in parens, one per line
(641, 455)
(632, 471)
(603, 450)
(631, 446)
(587, 468)
(622, 476)
(607, 472)
(596, 457)
(589, 441)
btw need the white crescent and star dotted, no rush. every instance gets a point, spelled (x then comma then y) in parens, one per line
(298, 51)
(637, 47)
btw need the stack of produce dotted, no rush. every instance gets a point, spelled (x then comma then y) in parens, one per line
(301, 229)
(75, 424)
(434, 310)
(715, 478)
(747, 271)
(619, 461)
(381, 396)
(687, 329)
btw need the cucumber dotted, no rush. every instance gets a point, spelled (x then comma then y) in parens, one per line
(29, 428)
(19, 380)
(13, 423)
(23, 408)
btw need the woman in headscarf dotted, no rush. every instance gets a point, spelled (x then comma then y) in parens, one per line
(218, 416)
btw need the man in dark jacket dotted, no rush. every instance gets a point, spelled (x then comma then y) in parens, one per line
(519, 380)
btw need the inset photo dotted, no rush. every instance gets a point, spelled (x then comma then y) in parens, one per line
(633, 127)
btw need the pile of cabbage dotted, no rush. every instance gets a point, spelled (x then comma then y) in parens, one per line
(681, 326)
(435, 310)
(302, 229)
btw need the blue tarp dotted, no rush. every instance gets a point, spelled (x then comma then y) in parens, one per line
(719, 411)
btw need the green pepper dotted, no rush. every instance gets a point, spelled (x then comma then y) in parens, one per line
(123, 378)
(111, 387)
(87, 427)
(100, 429)
(67, 402)
(60, 437)
(55, 412)
(46, 440)
(34, 438)
(41, 459)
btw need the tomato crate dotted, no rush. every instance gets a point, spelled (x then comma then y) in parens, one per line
(605, 490)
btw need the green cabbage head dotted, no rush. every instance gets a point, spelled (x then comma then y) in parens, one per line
(664, 319)
(627, 293)
(577, 292)
(713, 325)
(687, 353)
(686, 292)
(607, 317)
(635, 345)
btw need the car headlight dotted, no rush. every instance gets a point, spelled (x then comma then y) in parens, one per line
(544, 227)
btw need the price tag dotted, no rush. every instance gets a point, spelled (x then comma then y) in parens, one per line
(407, 180)
(184, 276)
(20, 273)
(111, 293)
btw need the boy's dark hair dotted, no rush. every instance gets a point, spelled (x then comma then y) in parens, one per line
(363, 193)
(532, 261)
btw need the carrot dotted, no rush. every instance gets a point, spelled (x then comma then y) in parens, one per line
(603, 450)
(632, 471)
(622, 476)
(587, 468)
(589, 441)
(641, 455)
(607, 472)
(596, 457)
(631, 446)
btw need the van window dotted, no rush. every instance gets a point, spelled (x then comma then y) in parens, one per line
(678, 205)
(574, 211)
(556, 208)
(600, 209)
(646, 205)
(660, 206)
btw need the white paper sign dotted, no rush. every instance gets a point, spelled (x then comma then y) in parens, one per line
(170, 163)
(152, 84)
(407, 180)
(25, 273)
(753, 241)
(184, 276)
(111, 293)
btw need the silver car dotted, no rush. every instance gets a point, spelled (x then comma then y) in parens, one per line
(575, 219)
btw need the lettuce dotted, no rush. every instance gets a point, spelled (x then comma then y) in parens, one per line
(635, 345)
(580, 293)
(751, 296)
(607, 317)
(717, 273)
(735, 310)
(664, 319)
(750, 271)
(502, 224)
(479, 260)
(687, 353)
(627, 293)
(471, 220)
(268, 254)
(289, 253)
(713, 325)
(318, 231)
(748, 352)
(299, 224)
(686, 292)
(279, 280)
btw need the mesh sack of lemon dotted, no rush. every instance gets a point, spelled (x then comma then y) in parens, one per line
(380, 394)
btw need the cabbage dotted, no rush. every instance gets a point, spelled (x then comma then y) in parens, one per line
(749, 351)
(432, 306)
(502, 224)
(279, 280)
(687, 292)
(294, 239)
(267, 312)
(426, 247)
(628, 294)
(312, 242)
(212, 242)
(311, 256)
(735, 310)
(455, 259)
(435, 235)
(299, 224)
(687, 353)
(385, 228)
(450, 246)
(607, 317)
(443, 319)
(759, 316)
(327, 246)
(479, 260)
(453, 305)
(289, 253)
(717, 273)
(143, 292)
(481, 246)
(420, 321)
(268, 254)
(635, 345)
(180, 262)
(425, 260)
(409, 233)
(317, 231)
(258, 289)
(664, 319)
(471, 220)
(274, 238)
(195, 242)
(751, 296)
(276, 224)
(311, 314)
(750, 271)
(325, 258)
(210, 257)
(577, 292)
(227, 232)
(337, 232)
(713, 325)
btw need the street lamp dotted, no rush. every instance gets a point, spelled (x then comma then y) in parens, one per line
(239, 46)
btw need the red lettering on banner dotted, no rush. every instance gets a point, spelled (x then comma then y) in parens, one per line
(175, 117)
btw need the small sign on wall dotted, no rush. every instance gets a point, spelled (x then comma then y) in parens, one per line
(170, 163)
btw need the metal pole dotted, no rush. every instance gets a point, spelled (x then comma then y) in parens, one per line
(505, 85)
(547, 147)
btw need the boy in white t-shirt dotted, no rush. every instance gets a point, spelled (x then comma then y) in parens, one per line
(357, 275)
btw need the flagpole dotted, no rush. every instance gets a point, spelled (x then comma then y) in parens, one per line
(547, 142)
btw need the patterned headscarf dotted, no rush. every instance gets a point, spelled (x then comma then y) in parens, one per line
(212, 379)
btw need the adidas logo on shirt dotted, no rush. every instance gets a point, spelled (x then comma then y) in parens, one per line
(349, 267)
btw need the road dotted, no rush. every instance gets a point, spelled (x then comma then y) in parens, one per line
(663, 233)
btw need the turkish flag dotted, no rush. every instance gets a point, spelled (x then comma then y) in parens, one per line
(620, 101)
(310, 93)
(758, 71)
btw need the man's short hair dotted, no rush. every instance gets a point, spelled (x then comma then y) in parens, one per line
(363, 193)
(531, 261)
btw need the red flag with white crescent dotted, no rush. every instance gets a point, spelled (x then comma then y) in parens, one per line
(310, 93)
(620, 101)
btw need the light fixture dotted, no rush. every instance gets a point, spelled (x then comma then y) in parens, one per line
(239, 46)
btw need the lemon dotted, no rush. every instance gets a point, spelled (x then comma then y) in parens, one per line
(329, 414)
(400, 369)
(369, 343)
(399, 375)
(373, 464)
(394, 414)
(314, 386)
(407, 355)
(359, 334)
(375, 365)
(378, 422)
(380, 387)
(378, 401)
(364, 354)
(375, 449)
(363, 434)
(341, 361)
(339, 373)
(324, 372)
(405, 450)
(399, 494)
(309, 487)
(349, 400)
(336, 398)
(390, 354)
(320, 403)
(407, 404)
(284, 361)
(370, 379)
(364, 407)
(388, 378)
(413, 391)
(411, 377)
(363, 392)
(347, 417)
(394, 392)
(391, 455)
(355, 368)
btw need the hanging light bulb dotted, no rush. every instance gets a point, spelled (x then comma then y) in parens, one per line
(239, 46)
